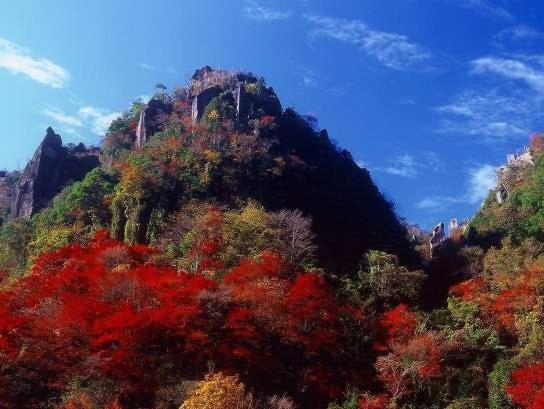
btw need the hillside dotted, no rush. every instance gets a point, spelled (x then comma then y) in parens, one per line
(212, 230)
(223, 139)
(220, 251)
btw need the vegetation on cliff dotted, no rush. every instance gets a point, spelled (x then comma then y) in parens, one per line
(227, 254)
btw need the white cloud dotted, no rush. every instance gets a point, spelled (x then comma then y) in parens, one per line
(481, 180)
(100, 119)
(307, 75)
(410, 166)
(405, 166)
(61, 118)
(257, 12)
(518, 33)
(484, 7)
(145, 66)
(508, 104)
(19, 60)
(96, 119)
(493, 115)
(391, 49)
(532, 75)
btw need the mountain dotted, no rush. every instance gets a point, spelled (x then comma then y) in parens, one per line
(214, 242)
(233, 126)
(221, 251)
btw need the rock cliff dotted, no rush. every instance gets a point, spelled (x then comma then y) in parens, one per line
(241, 96)
(51, 168)
(248, 95)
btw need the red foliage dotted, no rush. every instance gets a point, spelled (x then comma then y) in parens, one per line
(512, 302)
(536, 143)
(374, 402)
(267, 120)
(395, 326)
(105, 312)
(527, 389)
(467, 290)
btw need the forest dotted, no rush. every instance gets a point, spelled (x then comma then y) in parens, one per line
(239, 258)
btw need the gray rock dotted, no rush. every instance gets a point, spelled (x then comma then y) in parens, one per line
(141, 134)
(51, 168)
(502, 194)
(208, 83)
(152, 116)
(202, 100)
(438, 236)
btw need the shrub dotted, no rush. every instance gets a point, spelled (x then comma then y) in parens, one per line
(218, 391)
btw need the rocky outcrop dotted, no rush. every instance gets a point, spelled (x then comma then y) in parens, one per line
(51, 168)
(501, 195)
(245, 95)
(201, 101)
(152, 115)
(249, 96)
(438, 236)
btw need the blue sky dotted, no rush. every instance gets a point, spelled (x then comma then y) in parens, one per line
(429, 95)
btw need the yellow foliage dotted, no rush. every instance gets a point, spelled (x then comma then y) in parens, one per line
(252, 87)
(218, 391)
(213, 115)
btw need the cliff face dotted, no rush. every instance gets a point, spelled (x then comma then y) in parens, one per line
(244, 95)
(50, 169)
(151, 117)
(244, 91)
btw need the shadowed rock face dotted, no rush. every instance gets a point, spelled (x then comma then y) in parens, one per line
(151, 117)
(51, 168)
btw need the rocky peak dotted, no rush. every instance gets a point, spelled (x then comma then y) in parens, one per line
(51, 168)
(248, 95)
(202, 72)
(52, 140)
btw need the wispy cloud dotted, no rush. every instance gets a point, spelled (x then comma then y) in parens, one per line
(517, 34)
(145, 66)
(532, 75)
(484, 7)
(99, 119)
(87, 117)
(481, 179)
(410, 166)
(255, 11)
(306, 75)
(19, 60)
(509, 103)
(493, 115)
(391, 49)
(62, 118)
